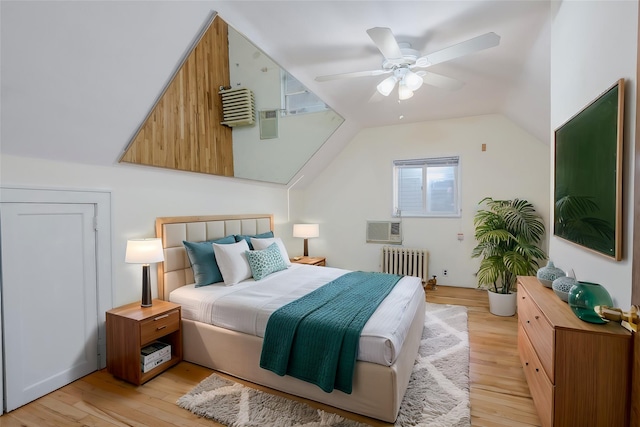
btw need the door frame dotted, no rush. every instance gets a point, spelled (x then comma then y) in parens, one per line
(635, 257)
(102, 201)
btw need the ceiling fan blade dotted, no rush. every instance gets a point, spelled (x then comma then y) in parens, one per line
(351, 75)
(386, 42)
(440, 81)
(475, 44)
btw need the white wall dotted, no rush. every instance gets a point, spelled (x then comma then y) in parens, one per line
(357, 186)
(92, 73)
(593, 45)
(140, 194)
(519, 106)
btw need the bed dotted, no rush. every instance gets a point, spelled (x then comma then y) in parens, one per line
(378, 385)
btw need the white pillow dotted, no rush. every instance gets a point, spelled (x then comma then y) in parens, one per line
(260, 244)
(232, 261)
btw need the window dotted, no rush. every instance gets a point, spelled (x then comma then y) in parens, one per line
(297, 99)
(426, 187)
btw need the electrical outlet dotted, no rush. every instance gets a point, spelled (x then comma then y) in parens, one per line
(444, 272)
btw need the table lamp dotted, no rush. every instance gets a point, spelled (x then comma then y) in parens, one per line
(145, 252)
(306, 231)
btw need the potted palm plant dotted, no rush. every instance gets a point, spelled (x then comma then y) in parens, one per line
(508, 233)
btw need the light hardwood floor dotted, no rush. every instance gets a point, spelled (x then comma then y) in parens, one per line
(499, 393)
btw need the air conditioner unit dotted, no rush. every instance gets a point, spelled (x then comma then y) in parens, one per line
(238, 107)
(384, 232)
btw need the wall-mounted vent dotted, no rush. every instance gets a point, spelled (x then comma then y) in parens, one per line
(384, 232)
(268, 124)
(238, 107)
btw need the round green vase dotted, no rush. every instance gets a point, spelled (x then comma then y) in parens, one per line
(584, 296)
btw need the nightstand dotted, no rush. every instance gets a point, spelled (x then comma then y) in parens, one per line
(309, 260)
(131, 327)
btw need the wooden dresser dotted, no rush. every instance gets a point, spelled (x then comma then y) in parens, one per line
(578, 372)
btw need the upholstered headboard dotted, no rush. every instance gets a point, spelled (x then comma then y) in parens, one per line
(176, 270)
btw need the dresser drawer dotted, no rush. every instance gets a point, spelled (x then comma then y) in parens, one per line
(159, 326)
(541, 388)
(540, 332)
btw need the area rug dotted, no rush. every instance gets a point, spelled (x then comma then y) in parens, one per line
(437, 396)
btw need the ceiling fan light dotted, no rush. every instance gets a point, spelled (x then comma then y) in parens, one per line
(404, 92)
(386, 86)
(412, 80)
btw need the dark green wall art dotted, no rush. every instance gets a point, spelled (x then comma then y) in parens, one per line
(588, 175)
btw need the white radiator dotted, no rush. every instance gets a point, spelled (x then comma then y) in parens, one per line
(238, 107)
(405, 261)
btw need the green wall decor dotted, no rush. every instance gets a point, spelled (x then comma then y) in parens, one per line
(588, 175)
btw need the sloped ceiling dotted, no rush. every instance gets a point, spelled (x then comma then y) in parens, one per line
(78, 78)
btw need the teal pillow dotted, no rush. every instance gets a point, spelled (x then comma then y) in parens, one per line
(246, 237)
(203, 260)
(266, 261)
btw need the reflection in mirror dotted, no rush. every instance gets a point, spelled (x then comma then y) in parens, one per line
(291, 123)
(269, 141)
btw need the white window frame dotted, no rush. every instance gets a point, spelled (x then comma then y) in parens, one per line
(314, 107)
(425, 163)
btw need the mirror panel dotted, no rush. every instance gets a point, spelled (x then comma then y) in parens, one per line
(299, 136)
(183, 130)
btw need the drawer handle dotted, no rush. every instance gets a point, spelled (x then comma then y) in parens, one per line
(161, 317)
(528, 321)
(537, 370)
(526, 363)
(161, 328)
(537, 317)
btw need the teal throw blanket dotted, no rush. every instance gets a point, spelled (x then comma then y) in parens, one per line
(315, 338)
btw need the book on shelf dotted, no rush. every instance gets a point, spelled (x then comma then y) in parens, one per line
(146, 367)
(154, 351)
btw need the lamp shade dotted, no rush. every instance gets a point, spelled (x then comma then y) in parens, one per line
(306, 231)
(144, 251)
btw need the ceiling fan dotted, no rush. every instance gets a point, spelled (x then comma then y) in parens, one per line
(400, 61)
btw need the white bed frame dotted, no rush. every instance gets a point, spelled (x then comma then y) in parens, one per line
(377, 390)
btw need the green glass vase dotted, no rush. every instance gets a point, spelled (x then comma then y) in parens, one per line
(584, 296)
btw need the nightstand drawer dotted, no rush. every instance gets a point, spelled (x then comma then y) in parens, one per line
(159, 326)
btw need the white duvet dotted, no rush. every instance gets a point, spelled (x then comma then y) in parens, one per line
(246, 307)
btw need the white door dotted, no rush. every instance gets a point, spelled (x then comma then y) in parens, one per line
(49, 300)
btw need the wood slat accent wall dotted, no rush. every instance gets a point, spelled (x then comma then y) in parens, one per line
(183, 130)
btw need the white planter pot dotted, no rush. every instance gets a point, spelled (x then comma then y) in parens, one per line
(502, 304)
